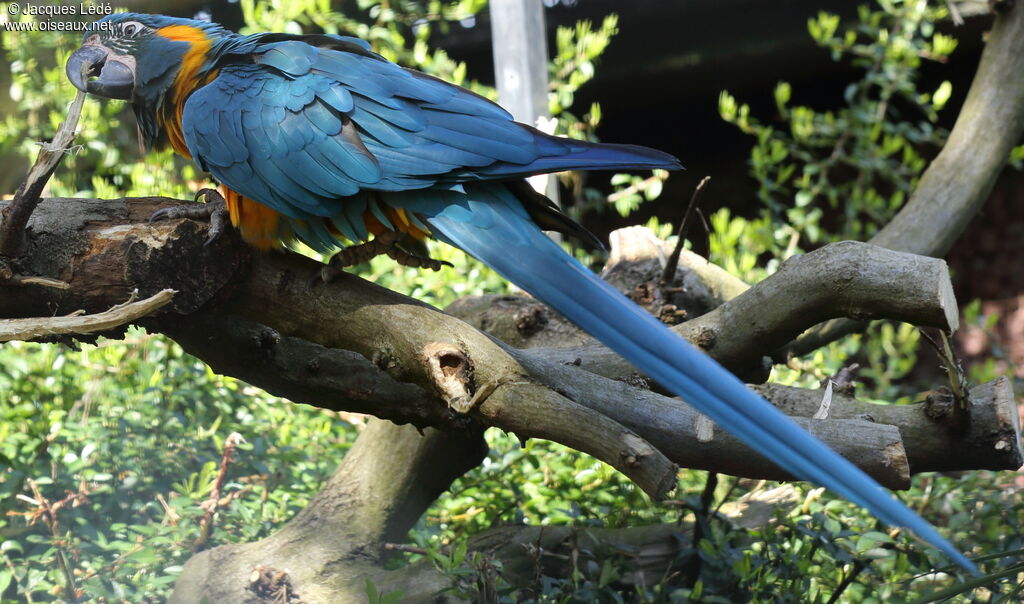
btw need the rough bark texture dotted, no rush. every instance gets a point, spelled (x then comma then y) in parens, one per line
(850, 279)
(990, 437)
(410, 363)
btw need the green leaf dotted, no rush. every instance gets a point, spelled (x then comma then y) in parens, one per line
(783, 92)
(941, 95)
(371, 592)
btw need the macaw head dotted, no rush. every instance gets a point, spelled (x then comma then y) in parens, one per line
(138, 57)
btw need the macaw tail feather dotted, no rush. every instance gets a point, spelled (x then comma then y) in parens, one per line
(579, 155)
(487, 221)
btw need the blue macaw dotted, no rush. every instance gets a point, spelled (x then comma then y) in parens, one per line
(318, 139)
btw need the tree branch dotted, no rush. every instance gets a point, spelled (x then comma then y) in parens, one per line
(295, 345)
(336, 543)
(17, 214)
(77, 323)
(847, 279)
(990, 440)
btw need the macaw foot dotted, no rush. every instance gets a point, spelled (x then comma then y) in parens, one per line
(387, 243)
(215, 210)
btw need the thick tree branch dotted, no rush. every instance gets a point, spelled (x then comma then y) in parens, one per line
(302, 371)
(848, 279)
(415, 364)
(990, 440)
(636, 261)
(960, 178)
(328, 551)
(294, 345)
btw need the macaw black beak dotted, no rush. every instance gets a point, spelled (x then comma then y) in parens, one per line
(107, 76)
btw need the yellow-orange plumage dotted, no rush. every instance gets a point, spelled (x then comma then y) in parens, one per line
(185, 83)
(258, 224)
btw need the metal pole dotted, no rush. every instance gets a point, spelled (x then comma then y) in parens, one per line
(520, 49)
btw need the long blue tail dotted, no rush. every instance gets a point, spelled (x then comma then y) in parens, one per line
(487, 221)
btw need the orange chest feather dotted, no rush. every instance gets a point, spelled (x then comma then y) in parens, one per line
(185, 83)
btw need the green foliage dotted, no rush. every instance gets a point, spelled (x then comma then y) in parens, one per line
(859, 162)
(841, 173)
(573, 64)
(129, 436)
(632, 190)
(375, 597)
(1017, 157)
(854, 167)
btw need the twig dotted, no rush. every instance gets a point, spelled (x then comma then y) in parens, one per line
(17, 580)
(401, 547)
(170, 516)
(50, 518)
(958, 385)
(212, 503)
(40, 281)
(954, 13)
(703, 515)
(957, 380)
(16, 215)
(843, 379)
(826, 402)
(633, 189)
(673, 260)
(858, 566)
(76, 323)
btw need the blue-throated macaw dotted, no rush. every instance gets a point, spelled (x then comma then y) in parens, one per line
(316, 138)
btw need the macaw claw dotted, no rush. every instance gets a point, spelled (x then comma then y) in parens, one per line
(384, 244)
(215, 209)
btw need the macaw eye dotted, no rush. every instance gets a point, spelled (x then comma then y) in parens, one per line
(130, 29)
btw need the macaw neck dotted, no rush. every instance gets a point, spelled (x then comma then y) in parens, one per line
(160, 118)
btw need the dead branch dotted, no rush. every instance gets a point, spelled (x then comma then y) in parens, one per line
(115, 254)
(328, 551)
(847, 279)
(78, 324)
(673, 259)
(212, 503)
(990, 440)
(17, 214)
